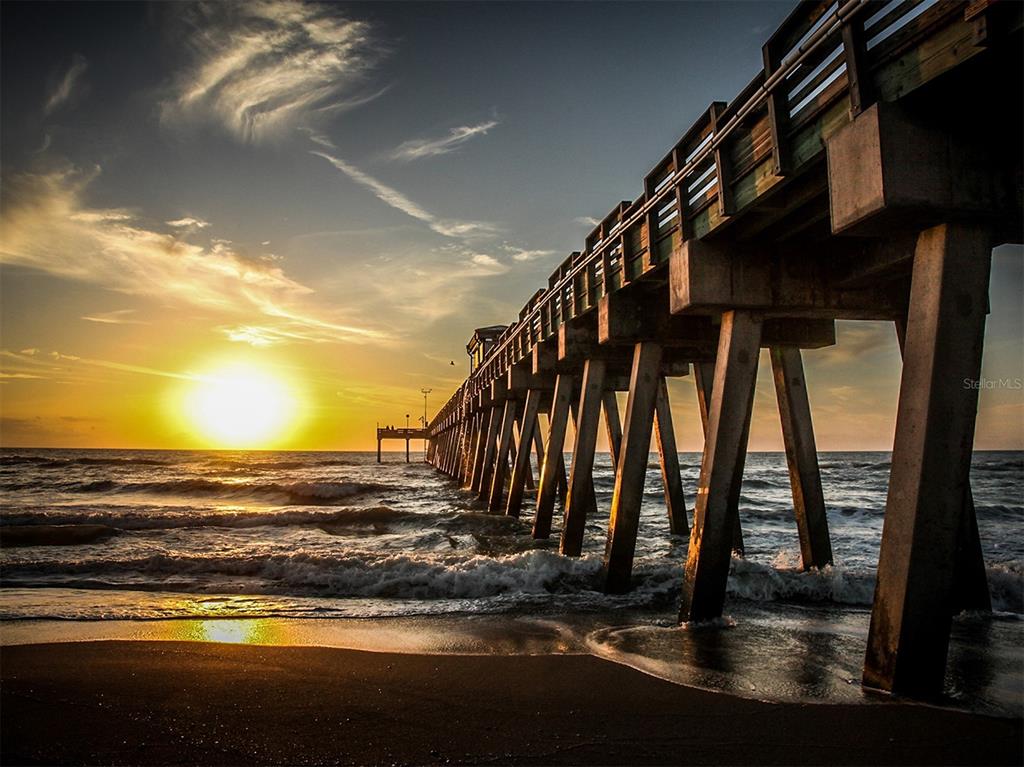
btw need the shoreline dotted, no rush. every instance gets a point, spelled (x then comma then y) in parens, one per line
(774, 654)
(143, 702)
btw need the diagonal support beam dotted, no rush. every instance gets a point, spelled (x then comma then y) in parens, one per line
(501, 457)
(482, 483)
(704, 374)
(581, 475)
(970, 583)
(624, 521)
(908, 639)
(801, 457)
(553, 465)
(668, 455)
(528, 426)
(613, 425)
(732, 397)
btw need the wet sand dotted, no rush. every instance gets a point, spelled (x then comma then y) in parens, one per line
(142, 703)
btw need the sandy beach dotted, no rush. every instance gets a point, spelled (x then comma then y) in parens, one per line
(138, 703)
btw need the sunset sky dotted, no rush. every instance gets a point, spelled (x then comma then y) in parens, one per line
(335, 196)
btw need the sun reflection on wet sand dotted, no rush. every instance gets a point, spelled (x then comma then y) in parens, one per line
(229, 631)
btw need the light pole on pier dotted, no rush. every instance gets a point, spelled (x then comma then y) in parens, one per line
(425, 392)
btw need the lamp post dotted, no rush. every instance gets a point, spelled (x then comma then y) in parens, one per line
(425, 392)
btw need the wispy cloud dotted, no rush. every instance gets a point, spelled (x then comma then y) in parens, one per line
(398, 201)
(57, 365)
(47, 227)
(522, 255)
(417, 149)
(261, 68)
(66, 87)
(586, 221)
(188, 222)
(116, 317)
(318, 138)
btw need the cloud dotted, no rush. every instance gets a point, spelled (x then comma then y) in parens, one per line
(47, 227)
(66, 86)
(116, 317)
(521, 255)
(318, 138)
(487, 263)
(188, 222)
(398, 201)
(417, 149)
(392, 275)
(57, 365)
(261, 68)
(586, 221)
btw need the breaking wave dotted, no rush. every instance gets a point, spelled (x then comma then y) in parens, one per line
(170, 520)
(56, 463)
(294, 493)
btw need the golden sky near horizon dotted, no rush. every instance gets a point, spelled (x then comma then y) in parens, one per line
(199, 233)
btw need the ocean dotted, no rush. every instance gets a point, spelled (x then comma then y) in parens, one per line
(333, 548)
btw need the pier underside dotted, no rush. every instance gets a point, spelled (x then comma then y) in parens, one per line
(866, 173)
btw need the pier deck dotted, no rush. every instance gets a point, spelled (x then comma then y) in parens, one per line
(407, 434)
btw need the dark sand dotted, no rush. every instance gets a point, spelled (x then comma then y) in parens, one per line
(142, 703)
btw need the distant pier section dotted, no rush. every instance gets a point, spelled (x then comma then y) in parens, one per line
(408, 434)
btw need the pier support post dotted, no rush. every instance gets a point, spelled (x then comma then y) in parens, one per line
(538, 447)
(442, 450)
(627, 497)
(467, 452)
(581, 484)
(970, 579)
(908, 639)
(378, 450)
(668, 455)
(497, 489)
(704, 374)
(472, 442)
(490, 448)
(801, 457)
(527, 429)
(553, 454)
(613, 425)
(449, 449)
(480, 449)
(732, 397)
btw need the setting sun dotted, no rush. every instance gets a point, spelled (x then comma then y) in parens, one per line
(240, 406)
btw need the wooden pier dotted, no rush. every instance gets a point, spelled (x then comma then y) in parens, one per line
(865, 173)
(399, 433)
